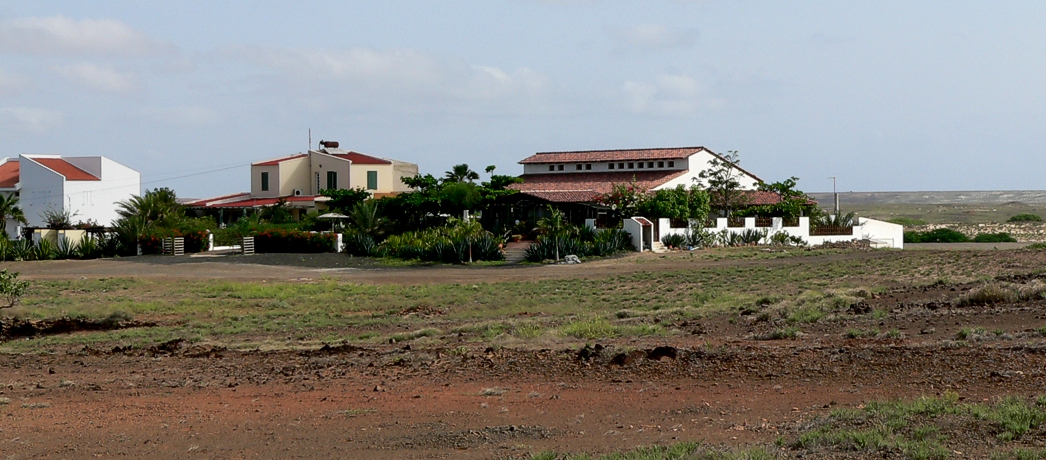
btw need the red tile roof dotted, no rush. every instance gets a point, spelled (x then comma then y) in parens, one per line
(279, 160)
(592, 183)
(361, 159)
(249, 202)
(9, 174)
(65, 168)
(582, 156)
(758, 198)
(565, 196)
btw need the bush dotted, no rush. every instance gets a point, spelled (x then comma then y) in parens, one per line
(941, 235)
(604, 242)
(294, 241)
(674, 240)
(1025, 218)
(441, 244)
(1001, 237)
(11, 288)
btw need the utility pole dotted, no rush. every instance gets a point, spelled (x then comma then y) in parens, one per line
(836, 196)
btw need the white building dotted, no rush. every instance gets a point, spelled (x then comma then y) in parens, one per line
(88, 188)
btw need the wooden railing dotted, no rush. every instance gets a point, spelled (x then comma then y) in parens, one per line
(790, 222)
(735, 222)
(764, 221)
(830, 230)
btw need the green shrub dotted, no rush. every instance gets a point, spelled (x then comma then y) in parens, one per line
(1001, 237)
(293, 241)
(674, 240)
(940, 235)
(907, 221)
(1025, 217)
(450, 244)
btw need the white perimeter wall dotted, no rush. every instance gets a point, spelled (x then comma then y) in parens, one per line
(882, 234)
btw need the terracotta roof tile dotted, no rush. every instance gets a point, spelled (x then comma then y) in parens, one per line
(362, 159)
(65, 168)
(598, 183)
(279, 160)
(582, 156)
(9, 174)
(565, 196)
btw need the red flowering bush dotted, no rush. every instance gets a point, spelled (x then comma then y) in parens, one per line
(295, 241)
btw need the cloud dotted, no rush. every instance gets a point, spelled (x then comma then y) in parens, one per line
(399, 80)
(99, 77)
(669, 95)
(186, 115)
(652, 37)
(59, 35)
(11, 82)
(29, 119)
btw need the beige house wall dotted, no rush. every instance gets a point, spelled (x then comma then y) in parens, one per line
(401, 169)
(294, 175)
(274, 181)
(321, 163)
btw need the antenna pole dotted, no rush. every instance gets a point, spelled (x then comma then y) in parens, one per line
(310, 140)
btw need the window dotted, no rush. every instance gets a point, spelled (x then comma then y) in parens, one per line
(631, 166)
(577, 166)
(671, 164)
(332, 180)
(318, 183)
(650, 164)
(620, 166)
(560, 167)
(265, 181)
(610, 166)
(588, 167)
(372, 180)
(640, 165)
(551, 167)
(660, 164)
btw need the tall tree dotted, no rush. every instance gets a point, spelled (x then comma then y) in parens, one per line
(461, 173)
(9, 209)
(721, 180)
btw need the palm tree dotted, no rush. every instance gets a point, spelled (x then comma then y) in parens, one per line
(364, 219)
(155, 205)
(469, 229)
(554, 226)
(9, 209)
(461, 173)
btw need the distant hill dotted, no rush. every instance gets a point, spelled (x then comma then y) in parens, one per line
(970, 197)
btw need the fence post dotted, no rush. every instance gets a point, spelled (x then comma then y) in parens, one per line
(210, 241)
(248, 245)
(178, 246)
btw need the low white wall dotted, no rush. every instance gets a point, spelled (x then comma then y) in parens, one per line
(634, 229)
(882, 234)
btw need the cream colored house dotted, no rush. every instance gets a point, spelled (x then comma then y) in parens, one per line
(300, 179)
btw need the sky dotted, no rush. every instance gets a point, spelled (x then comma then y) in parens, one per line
(882, 95)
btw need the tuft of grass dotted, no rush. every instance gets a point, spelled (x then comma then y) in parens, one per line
(861, 333)
(805, 314)
(406, 336)
(911, 427)
(491, 391)
(679, 451)
(780, 334)
(527, 331)
(593, 328)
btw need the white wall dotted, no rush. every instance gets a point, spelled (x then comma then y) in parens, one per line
(42, 190)
(119, 183)
(699, 162)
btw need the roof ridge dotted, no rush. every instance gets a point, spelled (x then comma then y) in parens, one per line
(622, 150)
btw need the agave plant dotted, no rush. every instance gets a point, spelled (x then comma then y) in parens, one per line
(65, 249)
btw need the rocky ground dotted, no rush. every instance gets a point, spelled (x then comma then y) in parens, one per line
(726, 383)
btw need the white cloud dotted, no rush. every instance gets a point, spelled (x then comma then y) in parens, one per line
(29, 119)
(670, 95)
(11, 82)
(186, 115)
(59, 35)
(99, 77)
(400, 80)
(651, 37)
